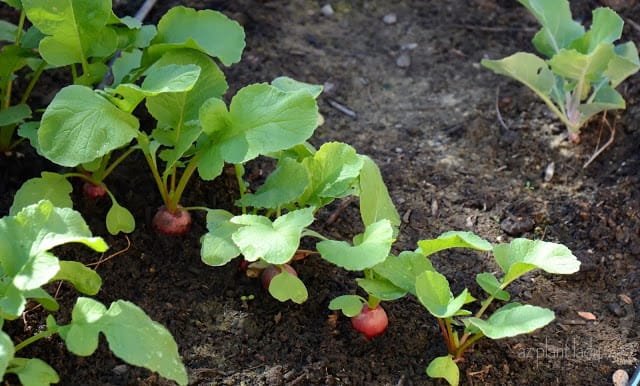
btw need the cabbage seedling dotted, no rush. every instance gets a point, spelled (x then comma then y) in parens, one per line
(583, 67)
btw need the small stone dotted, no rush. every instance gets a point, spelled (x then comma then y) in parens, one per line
(327, 10)
(616, 309)
(390, 18)
(620, 378)
(120, 369)
(404, 60)
(515, 226)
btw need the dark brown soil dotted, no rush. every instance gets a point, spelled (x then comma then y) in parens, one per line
(449, 164)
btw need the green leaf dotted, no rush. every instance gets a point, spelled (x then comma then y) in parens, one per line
(261, 119)
(12, 59)
(76, 29)
(287, 84)
(574, 65)
(432, 290)
(130, 333)
(174, 110)
(403, 270)
(624, 64)
(83, 278)
(14, 114)
(559, 29)
(453, 239)
(350, 305)
(444, 367)
(41, 296)
(276, 242)
(218, 247)
(373, 249)
(605, 99)
(606, 27)
(333, 170)
(34, 372)
(375, 202)
(381, 288)
(119, 219)
(208, 31)
(287, 182)
(50, 186)
(526, 68)
(171, 78)
(24, 241)
(14, 3)
(285, 286)
(6, 351)
(514, 320)
(8, 31)
(491, 285)
(522, 255)
(79, 126)
(124, 64)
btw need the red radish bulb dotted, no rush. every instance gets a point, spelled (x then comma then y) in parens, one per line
(93, 191)
(171, 223)
(371, 321)
(271, 271)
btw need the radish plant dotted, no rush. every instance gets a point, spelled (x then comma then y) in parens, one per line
(412, 272)
(577, 80)
(27, 236)
(281, 211)
(172, 68)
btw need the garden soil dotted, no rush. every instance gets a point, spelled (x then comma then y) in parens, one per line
(459, 147)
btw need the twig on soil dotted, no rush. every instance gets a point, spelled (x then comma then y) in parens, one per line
(496, 29)
(140, 15)
(598, 151)
(633, 24)
(342, 108)
(334, 216)
(145, 9)
(55, 296)
(498, 109)
(97, 263)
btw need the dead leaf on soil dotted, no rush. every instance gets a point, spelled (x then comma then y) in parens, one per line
(625, 298)
(587, 315)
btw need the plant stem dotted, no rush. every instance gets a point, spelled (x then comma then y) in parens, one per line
(182, 183)
(242, 187)
(118, 161)
(81, 175)
(74, 72)
(464, 346)
(445, 334)
(43, 334)
(480, 312)
(162, 188)
(32, 83)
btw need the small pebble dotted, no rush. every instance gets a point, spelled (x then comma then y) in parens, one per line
(120, 369)
(549, 171)
(515, 226)
(404, 60)
(620, 378)
(327, 10)
(616, 309)
(390, 18)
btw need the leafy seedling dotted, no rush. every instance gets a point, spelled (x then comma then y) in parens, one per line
(27, 237)
(515, 259)
(304, 180)
(577, 80)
